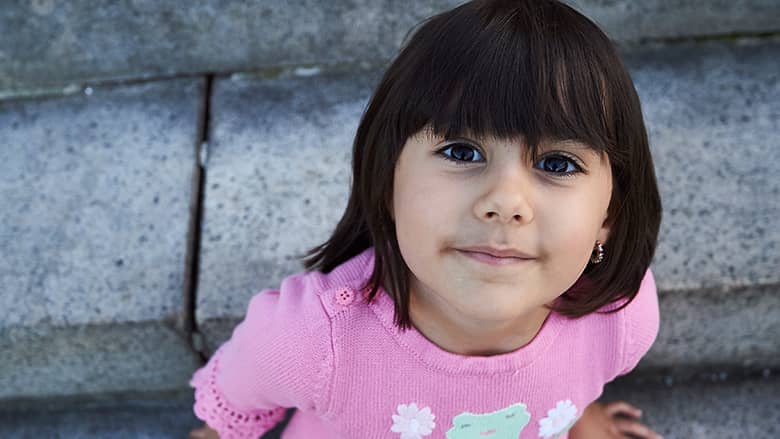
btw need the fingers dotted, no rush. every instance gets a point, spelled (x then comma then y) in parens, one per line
(627, 426)
(622, 407)
(202, 433)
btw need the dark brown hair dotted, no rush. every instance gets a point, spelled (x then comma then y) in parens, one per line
(531, 68)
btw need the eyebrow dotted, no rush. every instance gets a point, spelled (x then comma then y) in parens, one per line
(575, 144)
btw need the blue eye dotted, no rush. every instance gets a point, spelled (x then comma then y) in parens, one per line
(560, 165)
(461, 153)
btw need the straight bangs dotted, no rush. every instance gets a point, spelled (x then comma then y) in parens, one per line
(508, 70)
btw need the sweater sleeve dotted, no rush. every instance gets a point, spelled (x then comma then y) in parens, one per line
(640, 325)
(278, 356)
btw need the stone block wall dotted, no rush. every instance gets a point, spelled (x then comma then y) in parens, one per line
(156, 155)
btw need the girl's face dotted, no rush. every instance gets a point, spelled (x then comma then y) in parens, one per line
(494, 197)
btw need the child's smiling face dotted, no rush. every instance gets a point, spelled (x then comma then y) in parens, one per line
(495, 197)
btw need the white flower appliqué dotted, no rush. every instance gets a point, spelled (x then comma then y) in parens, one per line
(558, 420)
(412, 422)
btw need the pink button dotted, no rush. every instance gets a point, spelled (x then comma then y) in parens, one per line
(345, 296)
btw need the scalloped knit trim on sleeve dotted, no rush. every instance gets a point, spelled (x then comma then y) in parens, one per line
(230, 422)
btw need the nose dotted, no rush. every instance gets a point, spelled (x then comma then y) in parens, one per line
(507, 198)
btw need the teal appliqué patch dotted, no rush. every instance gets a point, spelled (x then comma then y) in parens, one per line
(506, 423)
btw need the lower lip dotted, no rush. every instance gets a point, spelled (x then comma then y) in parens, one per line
(492, 260)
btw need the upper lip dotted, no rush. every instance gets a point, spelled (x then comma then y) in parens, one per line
(498, 252)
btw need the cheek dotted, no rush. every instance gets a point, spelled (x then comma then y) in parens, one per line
(415, 226)
(408, 208)
(570, 231)
(419, 208)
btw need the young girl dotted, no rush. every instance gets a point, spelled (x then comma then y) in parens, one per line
(490, 273)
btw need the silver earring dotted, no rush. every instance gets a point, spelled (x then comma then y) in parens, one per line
(598, 253)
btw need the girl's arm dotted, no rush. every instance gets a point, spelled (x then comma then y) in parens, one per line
(616, 419)
(278, 356)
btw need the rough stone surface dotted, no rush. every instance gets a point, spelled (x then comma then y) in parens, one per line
(632, 21)
(43, 361)
(49, 43)
(712, 116)
(130, 419)
(276, 181)
(278, 175)
(94, 209)
(730, 329)
(730, 409)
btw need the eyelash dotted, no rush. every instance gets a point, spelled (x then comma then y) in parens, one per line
(569, 159)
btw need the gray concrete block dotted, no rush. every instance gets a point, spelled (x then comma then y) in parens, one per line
(154, 417)
(730, 409)
(278, 175)
(726, 328)
(276, 183)
(44, 361)
(49, 44)
(131, 420)
(94, 205)
(713, 116)
(635, 21)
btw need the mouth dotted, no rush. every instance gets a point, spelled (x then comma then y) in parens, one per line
(491, 259)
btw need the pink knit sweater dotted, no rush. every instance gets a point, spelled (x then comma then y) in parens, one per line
(315, 344)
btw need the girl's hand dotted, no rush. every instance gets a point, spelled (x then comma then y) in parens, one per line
(203, 433)
(616, 419)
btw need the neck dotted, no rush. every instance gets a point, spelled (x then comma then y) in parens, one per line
(471, 337)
